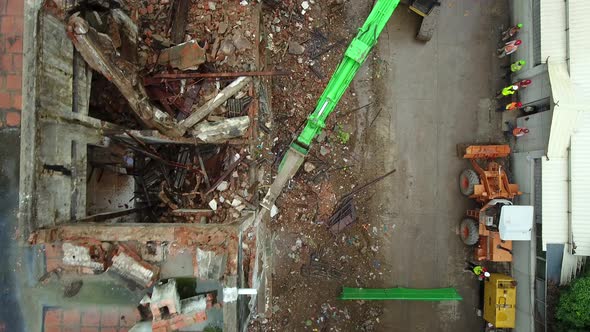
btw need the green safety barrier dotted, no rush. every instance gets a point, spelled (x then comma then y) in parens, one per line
(399, 293)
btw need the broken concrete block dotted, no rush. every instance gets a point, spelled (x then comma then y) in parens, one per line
(221, 131)
(227, 47)
(274, 211)
(183, 56)
(89, 258)
(211, 264)
(165, 296)
(223, 186)
(213, 205)
(222, 27)
(296, 48)
(241, 42)
(308, 167)
(131, 268)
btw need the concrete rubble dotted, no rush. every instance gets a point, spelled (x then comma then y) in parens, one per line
(90, 257)
(132, 268)
(171, 313)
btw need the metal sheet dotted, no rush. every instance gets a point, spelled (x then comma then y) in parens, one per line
(580, 182)
(553, 30)
(566, 109)
(579, 44)
(555, 201)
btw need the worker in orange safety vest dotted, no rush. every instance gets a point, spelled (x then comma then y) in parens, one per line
(516, 131)
(513, 106)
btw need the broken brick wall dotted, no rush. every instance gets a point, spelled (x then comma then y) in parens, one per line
(11, 59)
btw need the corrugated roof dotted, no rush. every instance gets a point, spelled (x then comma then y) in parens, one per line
(579, 45)
(580, 187)
(566, 109)
(553, 35)
(555, 200)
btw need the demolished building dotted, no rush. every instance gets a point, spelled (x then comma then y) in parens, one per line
(140, 146)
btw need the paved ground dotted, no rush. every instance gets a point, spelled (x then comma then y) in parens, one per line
(10, 315)
(432, 97)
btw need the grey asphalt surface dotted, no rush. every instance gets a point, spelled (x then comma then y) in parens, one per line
(432, 96)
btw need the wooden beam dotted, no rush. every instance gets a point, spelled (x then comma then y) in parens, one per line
(108, 215)
(96, 49)
(180, 12)
(200, 113)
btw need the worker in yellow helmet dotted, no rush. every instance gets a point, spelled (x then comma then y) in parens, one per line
(514, 67)
(480, 271)
(507, 91)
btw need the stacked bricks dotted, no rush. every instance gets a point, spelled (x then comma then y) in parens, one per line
(11, 62)
(115, 319)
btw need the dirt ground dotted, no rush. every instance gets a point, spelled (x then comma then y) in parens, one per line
(422, 100)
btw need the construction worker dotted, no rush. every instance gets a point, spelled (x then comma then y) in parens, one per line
(507, 91)
(516, 131)
(513, 106)
(520, 131)
(514, 67)
(508, 48)
(511, 32)
(480, 271)
(517, 66)
(523, 84)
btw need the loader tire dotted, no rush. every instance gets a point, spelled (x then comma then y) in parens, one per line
(469, 231)
(467, 181)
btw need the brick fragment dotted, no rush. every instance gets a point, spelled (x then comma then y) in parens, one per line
(6, 64)
(13, 119)
(16, 101)
(14, 82)
(5, 100)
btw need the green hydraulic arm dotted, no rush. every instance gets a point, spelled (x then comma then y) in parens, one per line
(411, 294)
(354, 57)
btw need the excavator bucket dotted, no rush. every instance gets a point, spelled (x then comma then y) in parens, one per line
(483, 151)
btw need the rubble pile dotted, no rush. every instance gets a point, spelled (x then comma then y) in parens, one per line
(167, 46)
(322, 240)
(176, 76)
(185, 183)
(182, 112)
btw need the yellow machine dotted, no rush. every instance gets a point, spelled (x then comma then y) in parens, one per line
(499, 306)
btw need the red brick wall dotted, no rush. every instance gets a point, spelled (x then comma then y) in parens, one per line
(11, 61)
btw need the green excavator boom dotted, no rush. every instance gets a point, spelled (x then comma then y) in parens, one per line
(354, 57)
